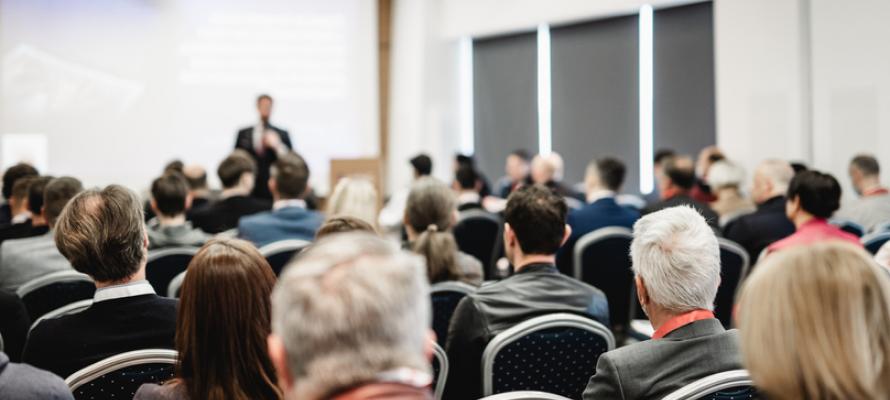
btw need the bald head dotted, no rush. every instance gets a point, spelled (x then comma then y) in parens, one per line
(771, 179)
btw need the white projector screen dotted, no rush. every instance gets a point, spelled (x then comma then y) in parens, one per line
(109, 91)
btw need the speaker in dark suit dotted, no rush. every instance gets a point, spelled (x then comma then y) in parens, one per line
(265, 142)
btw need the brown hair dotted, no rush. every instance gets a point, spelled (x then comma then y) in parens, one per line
(236, 164)
(170, 193)
(291, 175)
(220, 337)
(343, 224)
(429, 212)
(56, 195)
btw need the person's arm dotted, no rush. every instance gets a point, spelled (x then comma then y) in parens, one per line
(605, 383)
(466, 342)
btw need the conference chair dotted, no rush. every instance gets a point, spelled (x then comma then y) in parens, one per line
(478, 233)
(734, 263)
(175, 285)
(1, 344)
(873, 242)
(525, 395)
(119, 377)
(55, 290)
(440, 370)
(553, 353)
(279, 253)
(164, 264)
(883, 227)
(602, 259)
(69, 309)
(849, 226)
(729, 385)
(445, 296)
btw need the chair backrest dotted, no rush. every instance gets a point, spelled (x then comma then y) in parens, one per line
(69, 309)
(602, 259)
(849, 226)
(164, 264)
(55, 290)
(440, 370)
(118, 377)
(734, 263)
(874, 241)
(478, 233)
(525, 395)
(175, 285)
(554, 353)
(882, 227)
(735, 385)
(279, 253)
(445, 296)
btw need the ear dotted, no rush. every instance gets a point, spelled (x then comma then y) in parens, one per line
(273, 187)
(188, 201)
(642, 292)
(566, 235)
(144, 239)
(509, 235)
(279, 360)
(154, 206)
(428, 348)
(455, 215)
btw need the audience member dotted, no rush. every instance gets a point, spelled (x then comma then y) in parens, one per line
(675, 184)
(872, 208)
(263, 143)
(14, 325)
(102, 234)
(603, 182)
(31, 225)
(517, 170)
(170, 199)
(811, 199)
(13, 174)
(22, 260)
(18, 201)
(196, 176)
(237, 173)
(369, 335)
(461, 160)
(24, 382)
(429, 216)
(356, 197)
(725, 179)
(390, 218)
(343, 224)
(701, 191)
(467, 186)
(814, 323)
(289, 218)
(660, 156)
(547, 170)
(798, 167)
(676, 264)
(768, 223)
(535, 228)
(220, 338)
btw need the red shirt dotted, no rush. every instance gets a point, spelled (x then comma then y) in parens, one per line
(814, 230)
(681, 321)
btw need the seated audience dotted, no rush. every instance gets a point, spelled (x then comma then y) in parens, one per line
(343, 224)
(725, 179)
(461, 160)
(872, 208)
(675, 185)
(22, 260)
(18, 201)
(547, 170)
(289, 218)
(535, 228)
(369, 336)
(814, 323)
(701, 191)
(603, 181)
(33, 224)
(676, 264)
(811, 199)
(102, 234)
(24, 382)
(517, 170)
(660, 156)
(196, 176)
(237, 173)
(390, 218)
(220, 338)
(14, 324)
(10, 177)
(356, 197)
(768, 223)
(170, 199)
(466, 187)
(430, 214)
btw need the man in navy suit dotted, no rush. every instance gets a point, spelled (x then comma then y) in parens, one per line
(289, 218)
(603, 180)
(265, 143)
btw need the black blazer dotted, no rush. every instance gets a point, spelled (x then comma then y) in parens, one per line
(67, 344)
(224, 214)
(761, 228)
(14, 324)
(23, 230)
(684, 200)
(264, 162)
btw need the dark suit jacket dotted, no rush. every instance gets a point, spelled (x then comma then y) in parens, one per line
(285, 223)
(14, 324)
(599, 214)
(535, 290)
(23, 230)
(264, 161)
(682, 199)
(470, 206)
(224, 214)
(67, 344)
(761, 228)
(655, 368)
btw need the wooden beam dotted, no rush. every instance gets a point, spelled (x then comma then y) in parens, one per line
(384, 29)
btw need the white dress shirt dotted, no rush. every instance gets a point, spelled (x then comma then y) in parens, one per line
(137, 288)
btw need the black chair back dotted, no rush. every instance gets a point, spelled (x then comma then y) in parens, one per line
(445, 296)
(440, 370)
(734, 265)
(875, 241)
(849, 227)
(279, 254)
(478, 233)
(164, 264)
(119, 377)
(602, 259)
(55, 291)
(729, 385)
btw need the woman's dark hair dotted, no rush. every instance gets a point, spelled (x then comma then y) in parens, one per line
(220, 337)
(819, 194)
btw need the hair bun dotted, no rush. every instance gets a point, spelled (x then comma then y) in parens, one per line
(432, 228)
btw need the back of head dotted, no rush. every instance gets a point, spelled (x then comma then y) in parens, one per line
(234, 166)
(196, 176)
(680, 170)
(56, 195)
(170, 193)
(35, 194)
(778, 172)
(542, 170)
(423, 165)
(521, 154)
(815, 324)
(677, 256)
(350, 307)
(538, 218)
(291, 175)
(609, 171)
(663, 154)
(726, 174)
(102, 234)
(174, 166)
(466, 177)
(867, 165)
(558, 164)
(221, 339)
(343, 224)
(21, 187)
(819, 193)
(356, 197)
(15, 173)
(430, 202)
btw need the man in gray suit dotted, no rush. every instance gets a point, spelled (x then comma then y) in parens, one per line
(676, 263)
(22, 260)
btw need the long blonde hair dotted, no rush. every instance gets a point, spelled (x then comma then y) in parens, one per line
(815, 324)
(354, 197)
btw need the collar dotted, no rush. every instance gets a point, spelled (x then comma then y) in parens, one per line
(878, 191)
(398, 380)
(773, 201)
(681, 321)
(599, 194)
(284, 203)
(813, 222)
(406, 376)
(468, 197)
(20, 218)
(131, 289)
(537, 267)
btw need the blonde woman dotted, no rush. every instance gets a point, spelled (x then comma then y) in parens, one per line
(354, 197)
(815, 324)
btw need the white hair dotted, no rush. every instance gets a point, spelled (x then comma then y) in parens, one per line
(350, 307)
(725, 173)
(677, 256)
(354, 197)
(778, 172)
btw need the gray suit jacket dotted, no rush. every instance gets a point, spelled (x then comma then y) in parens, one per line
(22, 260)
(24, 382)
(655, 368)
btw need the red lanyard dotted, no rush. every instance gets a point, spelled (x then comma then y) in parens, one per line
(681, 321)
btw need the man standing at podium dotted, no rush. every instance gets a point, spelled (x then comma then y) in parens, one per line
(265, 143)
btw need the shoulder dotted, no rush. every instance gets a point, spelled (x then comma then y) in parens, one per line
(35, 383)
(152, 391)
